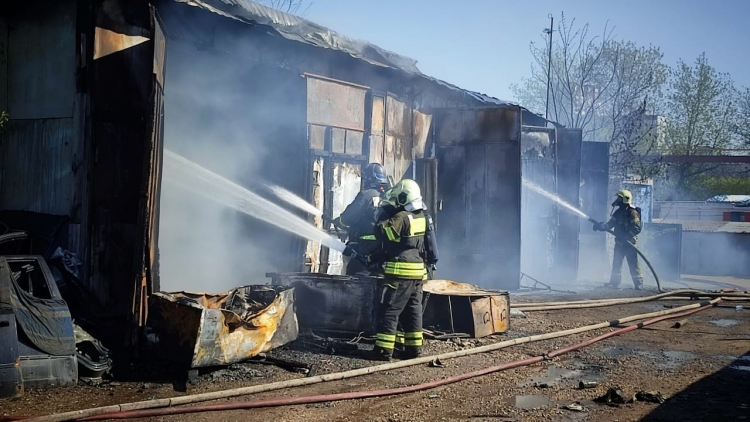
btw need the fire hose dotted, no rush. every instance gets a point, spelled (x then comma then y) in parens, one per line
(98, 412)
(675, 294)
(287, 401)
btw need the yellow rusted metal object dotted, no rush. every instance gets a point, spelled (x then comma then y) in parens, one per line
(455, 307)
(221, 329)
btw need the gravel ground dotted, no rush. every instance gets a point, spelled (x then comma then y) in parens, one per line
(699, 368)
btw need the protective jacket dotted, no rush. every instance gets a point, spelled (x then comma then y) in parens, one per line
(625, 223)
(403, 237)
(360, 216)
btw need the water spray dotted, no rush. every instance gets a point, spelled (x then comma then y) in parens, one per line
(199, 180)
(554, 198)
(293, 199)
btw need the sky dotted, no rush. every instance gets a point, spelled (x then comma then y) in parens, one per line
(483, 45)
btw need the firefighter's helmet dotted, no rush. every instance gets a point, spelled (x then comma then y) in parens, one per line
(625, 196)
(373, 176)
(405, 194)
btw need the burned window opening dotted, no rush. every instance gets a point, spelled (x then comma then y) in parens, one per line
(29, 277)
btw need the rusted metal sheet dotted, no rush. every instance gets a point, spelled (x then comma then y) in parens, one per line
(389, 155)
(465, 308)
(398, 138)
(398, 120)
(125, 130)
(378, 115)
(220, 329)
(421, 124)
(108, 42)
(42, 61)
(335, 104)
(37, 166)
(479, 176)
(377, 130)
(332, 303)
(403, 158)
(160, 52)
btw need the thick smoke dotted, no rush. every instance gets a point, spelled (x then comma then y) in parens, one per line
(205, 246)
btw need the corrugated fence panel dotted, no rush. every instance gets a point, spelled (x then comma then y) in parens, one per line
(3, 64)
(38, 162)
(42, 62)
(479, 177)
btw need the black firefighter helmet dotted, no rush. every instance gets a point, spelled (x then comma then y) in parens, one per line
(373, 176)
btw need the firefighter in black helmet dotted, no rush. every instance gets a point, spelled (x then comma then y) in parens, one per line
(403, 234)
(359, 218)
(626, 225)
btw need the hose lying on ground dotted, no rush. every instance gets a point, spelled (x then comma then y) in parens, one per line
(579, 304)
(175, 401)
(288, 401)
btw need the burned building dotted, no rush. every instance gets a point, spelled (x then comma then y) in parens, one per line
(96, 90)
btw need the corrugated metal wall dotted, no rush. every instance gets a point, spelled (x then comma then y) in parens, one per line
(568, 188)
(40, 156)
(479, 179)
(539, 217)
(593, 259)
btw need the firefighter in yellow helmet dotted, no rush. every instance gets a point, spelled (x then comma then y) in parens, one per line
(404, 233)
(626, 224)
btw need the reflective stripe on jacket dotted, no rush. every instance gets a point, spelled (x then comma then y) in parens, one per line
(403, 236)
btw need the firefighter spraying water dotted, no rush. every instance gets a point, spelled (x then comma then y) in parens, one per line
(625, 225)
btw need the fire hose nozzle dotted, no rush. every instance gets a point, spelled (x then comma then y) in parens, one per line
(593, 221)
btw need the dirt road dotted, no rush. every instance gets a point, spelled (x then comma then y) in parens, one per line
(703, 369)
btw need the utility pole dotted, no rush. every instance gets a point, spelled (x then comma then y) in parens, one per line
(549, 62)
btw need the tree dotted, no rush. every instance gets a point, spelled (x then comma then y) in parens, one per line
(599, 84)
(742, 124)
(701, 115)
(595, 81)
(287, 6)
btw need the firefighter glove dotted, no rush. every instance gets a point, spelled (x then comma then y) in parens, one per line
(349, 251)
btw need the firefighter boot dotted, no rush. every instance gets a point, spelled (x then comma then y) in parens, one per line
(410, 352)
(381, 353)
(638, 283)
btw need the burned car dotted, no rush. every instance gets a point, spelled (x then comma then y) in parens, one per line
(40, 346)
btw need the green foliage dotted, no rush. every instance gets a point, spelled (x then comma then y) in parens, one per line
(701, 114)
(708, 186)
(742, 124)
